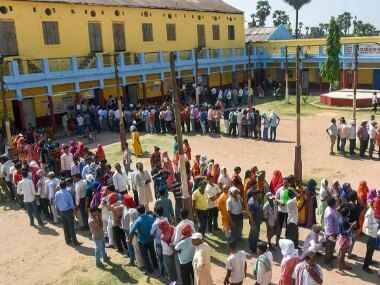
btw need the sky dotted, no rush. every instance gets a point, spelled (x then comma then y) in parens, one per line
(318, 11)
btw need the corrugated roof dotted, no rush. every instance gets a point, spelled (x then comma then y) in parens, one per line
(192, 5)
(259, 34)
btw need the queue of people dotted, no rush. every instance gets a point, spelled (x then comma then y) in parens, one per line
(344, 136)
(143, 214)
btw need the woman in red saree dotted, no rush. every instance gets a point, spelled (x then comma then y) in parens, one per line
(215, 173)
(100, 154)
(167, 167)
(362, 199)
(276, 182)
(187, 149)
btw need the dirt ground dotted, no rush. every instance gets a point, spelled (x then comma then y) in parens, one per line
(40, 256)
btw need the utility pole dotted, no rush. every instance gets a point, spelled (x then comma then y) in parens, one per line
(298, 152)
(356, 55)
(250, 78)
(119, 104)
(182, 168)
(196, 58)
(7, 124)
(287, 75)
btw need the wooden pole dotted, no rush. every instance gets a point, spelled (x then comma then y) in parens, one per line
(298, 153)
(354, 103)
(196, 55)
(182, 168)
(119, 103)
(287, 75)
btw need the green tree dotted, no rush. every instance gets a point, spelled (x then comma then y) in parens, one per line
(345, 21)
(253, 22)
(331, 68)
(297, 5)
(316, 32)
(364, 29)
(280, 18)
(262, 12)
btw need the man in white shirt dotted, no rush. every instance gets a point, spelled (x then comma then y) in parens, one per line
(119, 180)
(26, 188)
(292, 221)
(80, 186)
(332, 131)
(66, 162)
(6, 167)
(52, 187)
(372, 131)
(344, 134)
(370, 229)
(274, 121)
(375, 102)
(43, 192)
(213, 192)
(308, 272)
(236, 266)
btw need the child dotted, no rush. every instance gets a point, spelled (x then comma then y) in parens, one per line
(236, 266)
(263, 268)
(96, 227)
(344, 240)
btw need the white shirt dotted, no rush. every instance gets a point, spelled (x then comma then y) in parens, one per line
(42, 188)
(66, 162)
(116, 114)
(264, 277)
(302, 276)
(236, 263)
(273, 120)
(167, 249)
(80, 190)
(80, 121)
(370, 225)
(211, 192)
(372, 131)
(281, 208)
(6, 169)
(224, 180)
(374, 99)
(344, 131)
(52, 187)
(292, 211)
(119, 181)
(26, 187)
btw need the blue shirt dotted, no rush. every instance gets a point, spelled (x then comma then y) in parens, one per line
(64, 200)
(142, 228)
(185, 250)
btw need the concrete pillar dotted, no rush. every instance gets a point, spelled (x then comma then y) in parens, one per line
(144, 92)
(220, 79)
(51, 109)
(20, 108)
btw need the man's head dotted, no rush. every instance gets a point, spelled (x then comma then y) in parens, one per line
(159, 211)
(118, 167)
(333, 121)
(77, 177)
(234, 192)
(310, 257)
(224, 171)
(237, 170)
(262, 247)
(331, 202)
(316, 228)
(141, 209)
(156, 149)
(197, 239)
(24, 173)
(202, 186)
(139, 166)
(233, 246)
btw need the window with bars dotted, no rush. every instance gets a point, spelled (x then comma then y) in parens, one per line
(8, 39)
(119, 36)
(147, 29)
(95, 36)
(51, 33)
(201, 35)
(231, 32)
(215, 32)
(171, 32)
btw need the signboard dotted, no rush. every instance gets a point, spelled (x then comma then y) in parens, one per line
(365, 50)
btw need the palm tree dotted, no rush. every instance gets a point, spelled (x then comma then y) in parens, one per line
(297, 5)
(262, 11)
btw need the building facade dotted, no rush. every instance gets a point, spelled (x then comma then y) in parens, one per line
(57, 52)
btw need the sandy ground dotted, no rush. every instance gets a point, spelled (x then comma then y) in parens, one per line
(40, 256)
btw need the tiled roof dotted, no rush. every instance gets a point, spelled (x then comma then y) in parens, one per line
(259, 34)
(191, 5)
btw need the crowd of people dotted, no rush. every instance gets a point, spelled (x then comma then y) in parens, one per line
(343, 134)
(143, 214)
(220, 108)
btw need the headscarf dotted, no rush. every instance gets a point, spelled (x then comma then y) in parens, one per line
(167, 231)
(311, 185)
(287, 248)
(276, 182)
(100, 154)
(372, 194)
(335, 189)
(363, 192)
(346, 190)
(215, 172)
(128, 201)
(187, 231)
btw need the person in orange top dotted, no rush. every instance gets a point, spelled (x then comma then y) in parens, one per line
(100, 154)
(215, 173)
(196, 169)
(187, 149)
(236, 180)
(362, 199)
(222, 205)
